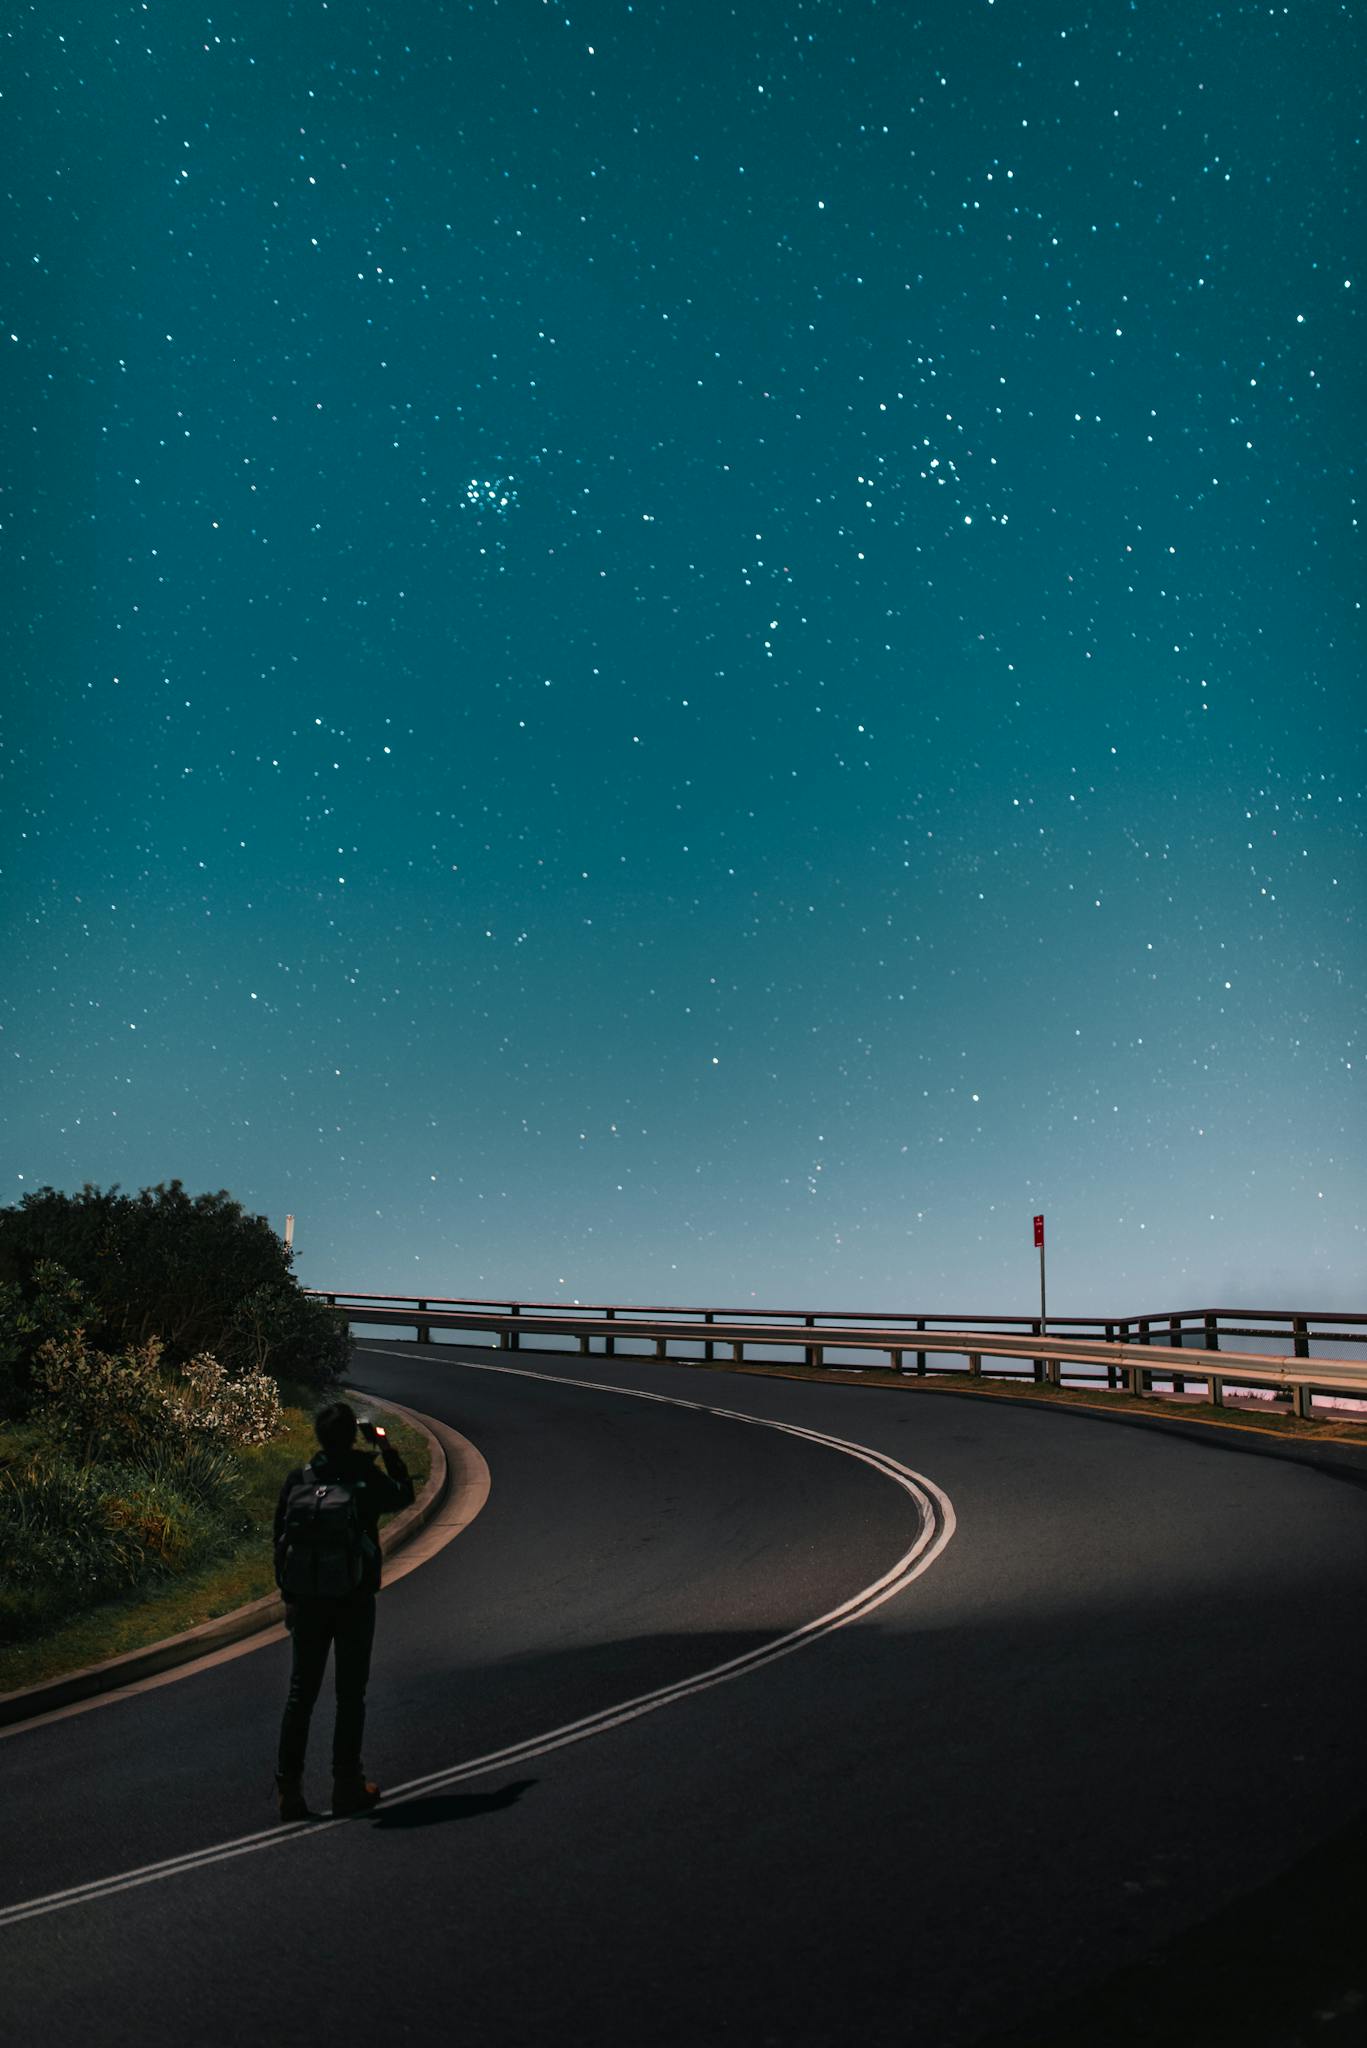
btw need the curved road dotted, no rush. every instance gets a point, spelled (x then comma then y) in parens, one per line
(1127, 1693)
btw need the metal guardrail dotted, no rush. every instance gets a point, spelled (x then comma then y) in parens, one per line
(1136, 1352)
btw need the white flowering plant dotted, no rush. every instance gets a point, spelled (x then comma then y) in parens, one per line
(244, 1409)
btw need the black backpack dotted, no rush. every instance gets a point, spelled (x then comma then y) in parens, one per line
(323, 1546)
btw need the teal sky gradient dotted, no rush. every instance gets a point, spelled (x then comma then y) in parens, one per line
(670, 655)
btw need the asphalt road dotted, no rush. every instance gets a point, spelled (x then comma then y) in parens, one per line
(1127, 1694)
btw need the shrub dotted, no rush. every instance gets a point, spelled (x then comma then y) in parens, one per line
(245, 1410)
(98, 1404)
(61, 1552)
(154, 1508)
(197, 1272)
(50, 1308)
(295, 1337)
(73, 1535)
(202, 1469)
(143, 1336)
(55, 1529)
(160, 1263)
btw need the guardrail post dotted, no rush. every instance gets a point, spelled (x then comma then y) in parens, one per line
(1113, 1377)
(662, 1347)
(815, 1354)
(1301, 1330)
(1037, 1364)
(975, 1364)
(1216, 1388)
(1055, 1372)
(1134, 1379)
(1303, 1401)
(510, 1340)
(1142, 1334)
(921, 1356)
(1179, 1383)
(610, 1343)
(1212, 1332)
(895, 1360)
(708, 1346)
(424, 1329)
(737, 1353)
(583, 1343)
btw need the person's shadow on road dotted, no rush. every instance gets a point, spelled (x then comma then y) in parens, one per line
(438, 1806)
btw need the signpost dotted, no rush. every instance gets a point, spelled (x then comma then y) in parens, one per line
(1039, 1247)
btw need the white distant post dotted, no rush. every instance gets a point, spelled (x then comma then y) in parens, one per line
(289, 1232)
(1039, 1246)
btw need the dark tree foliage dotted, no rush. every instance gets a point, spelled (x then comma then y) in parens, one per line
(46, 1309)
(282, 1330)
(184, 1268)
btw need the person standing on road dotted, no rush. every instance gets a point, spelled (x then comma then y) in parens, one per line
(327, 1566)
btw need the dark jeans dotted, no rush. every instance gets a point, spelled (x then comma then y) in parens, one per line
(347, 1628)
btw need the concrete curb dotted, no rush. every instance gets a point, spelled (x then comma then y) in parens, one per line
(116, 1673)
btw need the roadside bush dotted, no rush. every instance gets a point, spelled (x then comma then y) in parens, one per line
(61, 1552)
(142, 1342)
(73, 1535)
(53, 1530)
(245, 1410)
(202, 1469)
(130, 1473)
(171, 1529)
(288, 1333)
(197, 1272)
(160, 1263)
(50, 1308)
(96, 1404)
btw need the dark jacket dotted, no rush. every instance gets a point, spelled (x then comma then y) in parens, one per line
(376, 1493)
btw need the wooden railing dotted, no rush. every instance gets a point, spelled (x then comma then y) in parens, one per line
(1141, 1353)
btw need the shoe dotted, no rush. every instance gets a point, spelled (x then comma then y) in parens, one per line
(353, 1795)
(290, 1793)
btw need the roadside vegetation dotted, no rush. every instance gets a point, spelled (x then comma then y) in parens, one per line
(159, 1366)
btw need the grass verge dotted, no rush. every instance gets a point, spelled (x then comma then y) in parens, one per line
(148, 1614)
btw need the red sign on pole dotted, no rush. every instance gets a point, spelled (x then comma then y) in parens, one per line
(1039, 1233)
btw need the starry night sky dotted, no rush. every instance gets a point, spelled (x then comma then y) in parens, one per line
(693, 653)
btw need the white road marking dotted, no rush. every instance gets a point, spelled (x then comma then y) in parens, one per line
(930, 1543)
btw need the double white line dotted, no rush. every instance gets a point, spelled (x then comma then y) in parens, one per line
(937, 1526)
